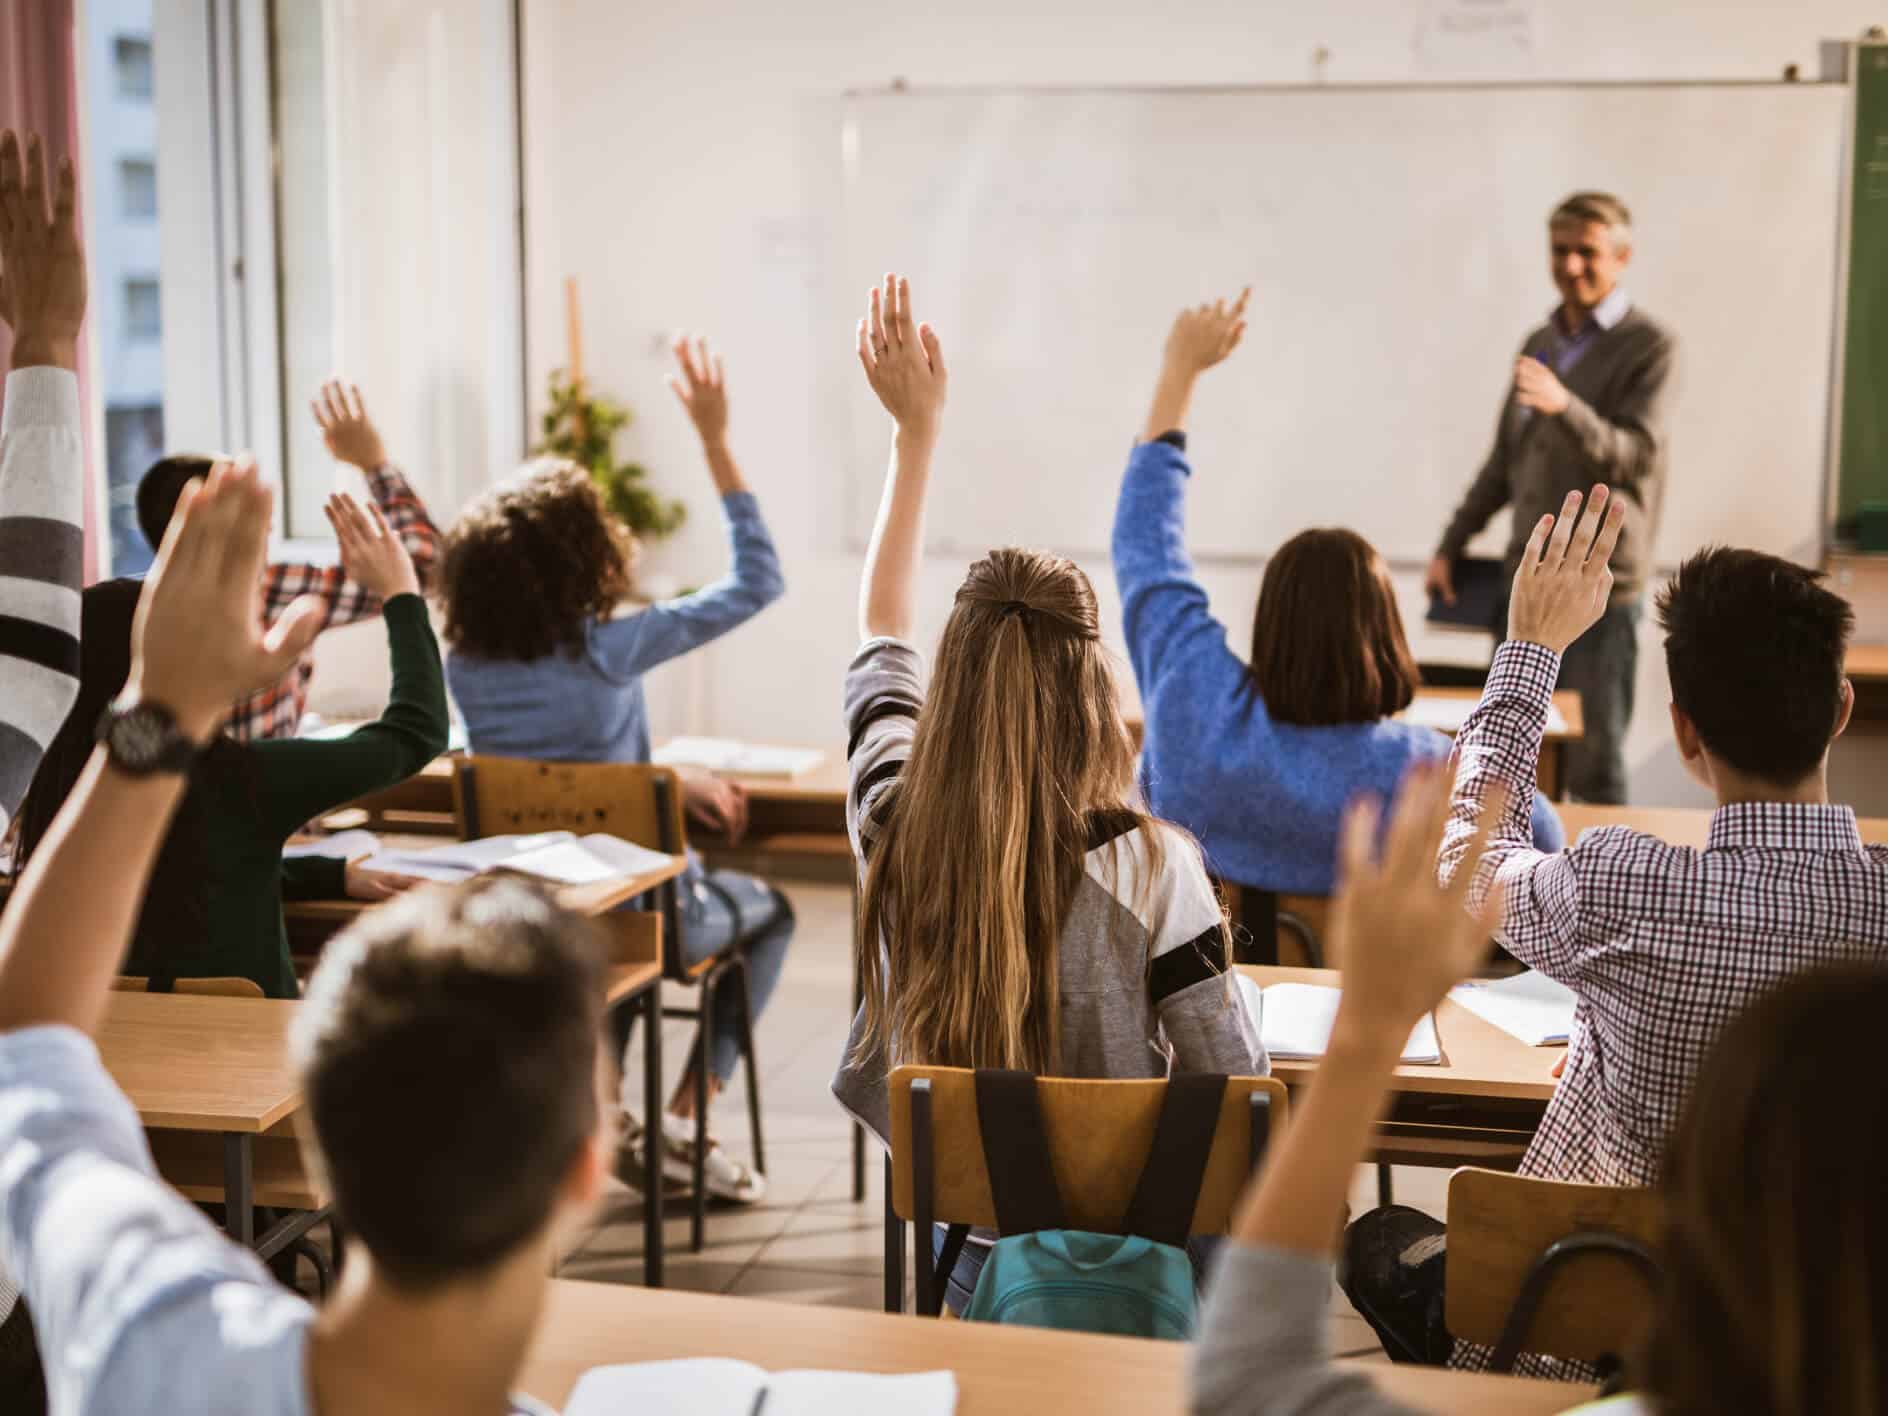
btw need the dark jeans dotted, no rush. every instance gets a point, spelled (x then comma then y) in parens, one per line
(1602, 666)
(963, 1278)
(1392, 1270)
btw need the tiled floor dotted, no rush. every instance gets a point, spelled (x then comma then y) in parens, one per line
(808, 1241)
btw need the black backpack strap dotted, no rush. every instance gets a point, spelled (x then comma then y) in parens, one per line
(1016, 1153)
(1169, 1188)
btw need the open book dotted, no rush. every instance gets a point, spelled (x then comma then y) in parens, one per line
(737, 759)
(560, 857)
(1294, 1022)
(1530, 1006)
(718, 1386)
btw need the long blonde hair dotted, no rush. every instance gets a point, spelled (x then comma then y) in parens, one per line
(982, 840)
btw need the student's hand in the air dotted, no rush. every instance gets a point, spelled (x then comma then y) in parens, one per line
(197, 641)
(902, 360)
(370, 553)
(42, 266)
(1404, 940)
(716, 804)
(1205, 334)
(702, 389)
(374, 885)
(1536, 386)
(1565, 577)
(345, 427)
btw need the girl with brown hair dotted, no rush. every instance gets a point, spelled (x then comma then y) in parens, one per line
(1019, 910)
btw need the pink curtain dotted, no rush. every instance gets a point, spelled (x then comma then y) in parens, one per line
(39, 92)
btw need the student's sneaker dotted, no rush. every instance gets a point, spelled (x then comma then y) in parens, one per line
(726, 1177)
(629, 1166)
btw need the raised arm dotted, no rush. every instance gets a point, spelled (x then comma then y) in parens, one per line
(197, 646)
(638, 643)
(1404, 941)
(42, 301)
(1560, 591)
(904, 364)
(300, 777)
(1164, 607)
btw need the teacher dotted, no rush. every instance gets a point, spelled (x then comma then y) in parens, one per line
(1588, 404)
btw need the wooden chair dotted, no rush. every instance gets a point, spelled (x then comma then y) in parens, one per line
(1549, 1266)
(211, 987)
(1099, 1134)
(503, 795)
(1278, 928)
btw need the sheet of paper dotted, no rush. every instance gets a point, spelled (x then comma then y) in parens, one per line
(1294, 1022)
(461, 860)
(721, 1387)
(1446, 715)
(342, 845)
(739, 759)
(1530, 1006)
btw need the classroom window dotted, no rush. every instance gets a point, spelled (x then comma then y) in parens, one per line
(131, 63)
(137, 189)
(142, 320)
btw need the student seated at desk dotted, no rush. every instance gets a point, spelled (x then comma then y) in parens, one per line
(1775, 1245)
(447, 1052)
(543, 667)
(1662, 945)
(1018, 910)
(1257, 758)
(215, 904)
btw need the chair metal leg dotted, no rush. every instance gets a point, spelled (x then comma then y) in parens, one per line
(753, 1068)
(1386, 1185)
(239, 1168)
(324, 1272)
(704, 1045)
(858, 998)
(653, 1139)
(894, 1250)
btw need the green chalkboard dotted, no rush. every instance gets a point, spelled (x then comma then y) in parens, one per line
(1862, 451)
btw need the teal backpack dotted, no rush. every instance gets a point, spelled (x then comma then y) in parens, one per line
(1042, 1274)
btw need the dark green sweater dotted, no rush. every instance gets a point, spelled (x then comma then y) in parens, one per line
(291, 781)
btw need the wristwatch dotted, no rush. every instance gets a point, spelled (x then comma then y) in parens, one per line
(142, 739)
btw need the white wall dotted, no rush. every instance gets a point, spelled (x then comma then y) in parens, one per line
(681, 162)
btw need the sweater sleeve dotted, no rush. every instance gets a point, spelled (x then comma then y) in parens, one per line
(42, 544)
(1189, 976)
(639, 642)
(300, 778)
(1164, 610)
(1262, 1349)
(1622, 445)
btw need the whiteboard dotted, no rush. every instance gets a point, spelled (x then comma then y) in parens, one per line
(1396, 240)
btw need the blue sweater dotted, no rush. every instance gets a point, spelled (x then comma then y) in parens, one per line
(586, 705)
(1263, 798)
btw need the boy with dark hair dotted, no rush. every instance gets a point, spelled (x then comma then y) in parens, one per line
(276, 711)
(490, 995)
(1662, 945)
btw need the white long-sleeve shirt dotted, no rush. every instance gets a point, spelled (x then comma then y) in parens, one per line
(42, 543)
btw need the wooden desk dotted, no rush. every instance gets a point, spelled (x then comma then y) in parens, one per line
(1678, 825)
(1000, 1370)
(1480, 1107)
(216, 1067)
(1867, 668)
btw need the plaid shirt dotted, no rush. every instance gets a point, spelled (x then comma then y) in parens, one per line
(277, 712)
(1662, 945)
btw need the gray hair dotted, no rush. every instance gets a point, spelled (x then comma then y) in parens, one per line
(1601, 207)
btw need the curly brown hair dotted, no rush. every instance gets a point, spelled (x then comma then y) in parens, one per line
(530, 564)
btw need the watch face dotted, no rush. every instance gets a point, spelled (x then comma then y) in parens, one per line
(144, 738)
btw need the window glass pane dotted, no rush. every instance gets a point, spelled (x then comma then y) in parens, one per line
(120, 188)
(306, 276)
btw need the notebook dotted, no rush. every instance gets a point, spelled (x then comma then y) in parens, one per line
(719, 1386)
(560, 857)
(737, 759)
(342, 845)
(1294, 1022)
(1479, 586)
(1530, 1006)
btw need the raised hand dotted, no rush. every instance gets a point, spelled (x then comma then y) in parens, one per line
(1404, 940)
(42, 266)
(197, 642)
(1206, 334)
(1565, 576)
(370, 553)
(903, 361)
(345, 427)
(702, 389)
(1538, 387)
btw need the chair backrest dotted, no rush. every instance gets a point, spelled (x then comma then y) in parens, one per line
(502, 796)
(1099, 1133)
(1550, 1266)
(213, 987)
